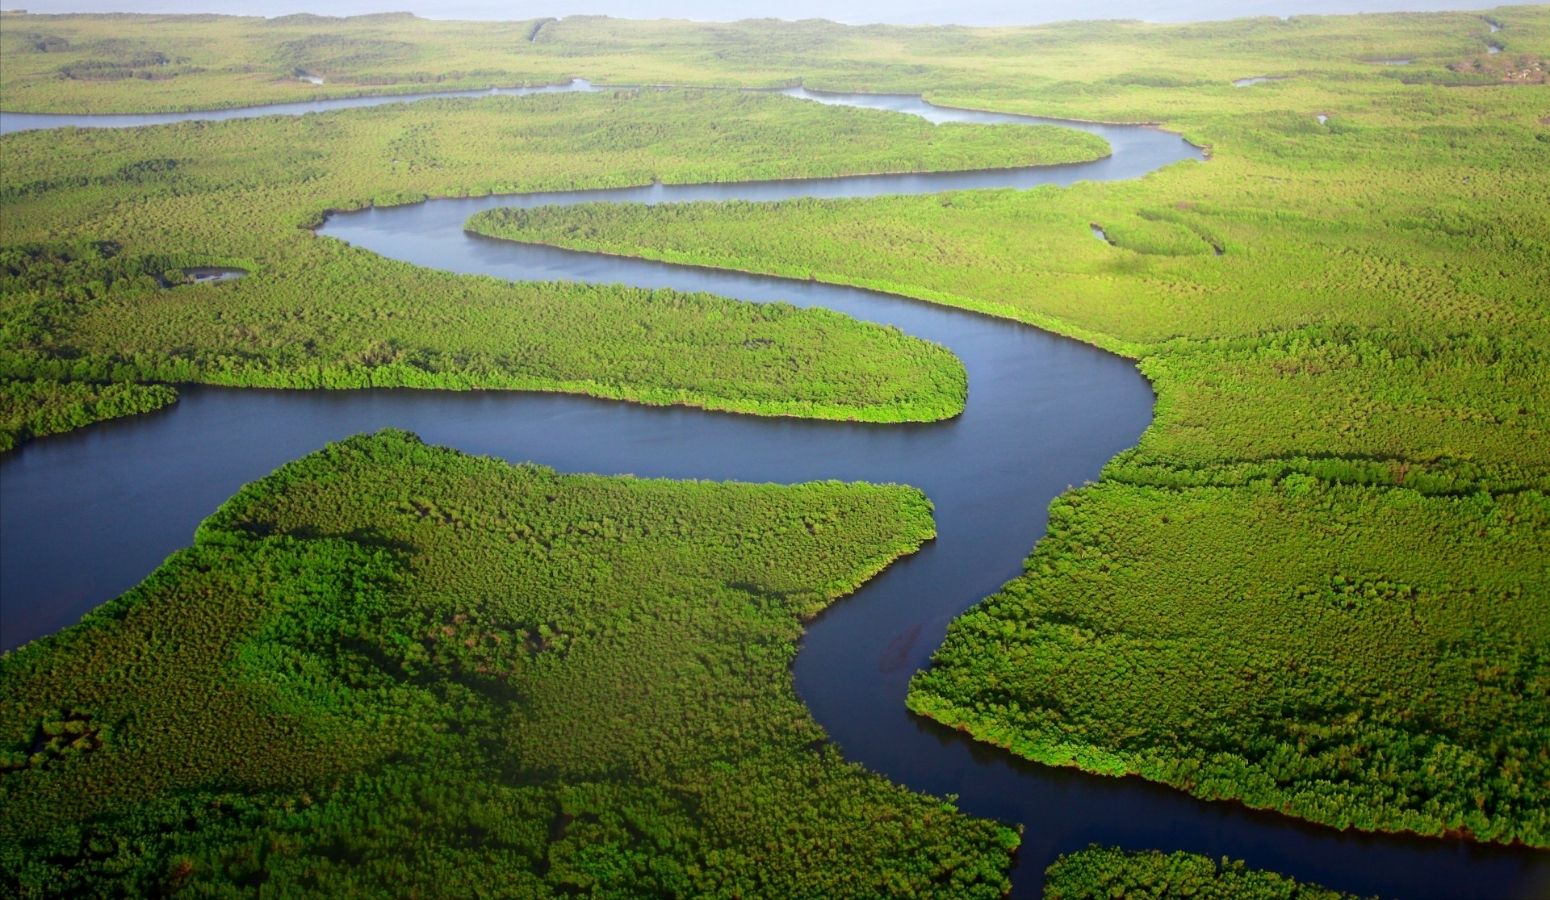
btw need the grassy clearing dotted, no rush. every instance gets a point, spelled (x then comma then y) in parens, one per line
(392, 668)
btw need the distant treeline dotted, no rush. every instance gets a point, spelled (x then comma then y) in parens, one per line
(1089, 69)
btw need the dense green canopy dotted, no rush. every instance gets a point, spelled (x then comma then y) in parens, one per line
(392, 668)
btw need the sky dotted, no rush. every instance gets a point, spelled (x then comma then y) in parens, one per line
(897, 12)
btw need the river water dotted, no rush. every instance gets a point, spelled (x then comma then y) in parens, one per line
(91, 513)
(14, 121)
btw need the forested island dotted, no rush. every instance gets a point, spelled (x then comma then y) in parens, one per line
(1317, 587)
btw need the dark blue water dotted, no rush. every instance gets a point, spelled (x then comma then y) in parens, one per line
(87, 515)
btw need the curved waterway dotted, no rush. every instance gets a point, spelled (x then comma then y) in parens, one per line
(17, 121)
(87, 515)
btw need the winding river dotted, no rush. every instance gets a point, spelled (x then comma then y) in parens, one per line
(87, 515)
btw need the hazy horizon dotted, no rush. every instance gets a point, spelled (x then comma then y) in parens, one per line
(903, 12)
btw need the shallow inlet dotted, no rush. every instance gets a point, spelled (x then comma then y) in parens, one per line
(1257, 79)
(213, 274)
(1043, 413)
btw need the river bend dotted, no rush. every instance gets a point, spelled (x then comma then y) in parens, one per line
(1043, 413)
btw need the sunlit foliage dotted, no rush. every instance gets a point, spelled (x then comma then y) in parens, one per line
(1364, 658)
(391, 668)
(94, 218)
(1381, 293)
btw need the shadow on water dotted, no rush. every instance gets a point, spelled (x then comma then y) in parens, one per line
(1043, 413)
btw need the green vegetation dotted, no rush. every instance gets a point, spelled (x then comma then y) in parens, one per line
(1101, 873)
(391, 668)
(30, 409)
(34, 408)
(1382, 665)
(1111, 70)
(95, 219)
(1318, 585)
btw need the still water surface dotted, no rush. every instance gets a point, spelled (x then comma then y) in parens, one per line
(89, 514)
